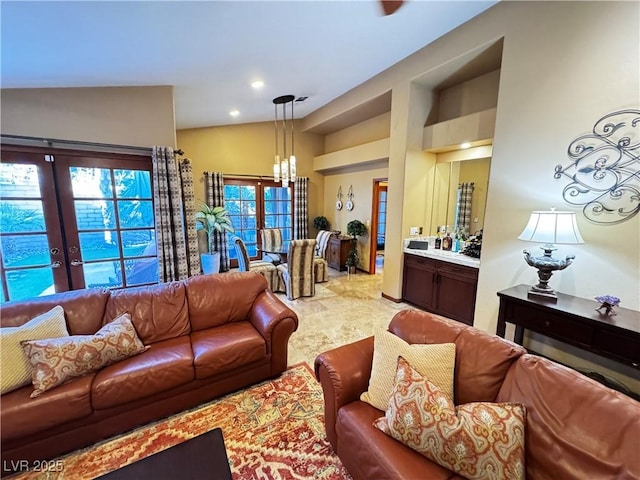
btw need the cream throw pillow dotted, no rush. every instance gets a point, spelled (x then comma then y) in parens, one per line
(436, 362)
(16, 368)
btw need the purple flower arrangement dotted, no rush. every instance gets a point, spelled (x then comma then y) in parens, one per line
(608, 302)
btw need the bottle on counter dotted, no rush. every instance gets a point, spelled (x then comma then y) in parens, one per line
(447, 242)
(438, 242)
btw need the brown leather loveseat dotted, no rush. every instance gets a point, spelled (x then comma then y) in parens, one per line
(575, 429)
(207, 336)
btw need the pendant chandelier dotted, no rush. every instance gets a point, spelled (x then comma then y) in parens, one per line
(284, 168)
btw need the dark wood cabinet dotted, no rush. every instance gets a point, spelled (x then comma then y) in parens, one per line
(572, 320)
(337, 251)
(440, 287)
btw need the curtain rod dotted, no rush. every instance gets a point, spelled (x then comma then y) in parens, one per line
(260, 177)
(51, 141)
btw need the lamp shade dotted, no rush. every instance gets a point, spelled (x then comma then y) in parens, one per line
(552, 227)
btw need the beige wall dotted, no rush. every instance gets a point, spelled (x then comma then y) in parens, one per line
(248, 149)
(480, 93)
(137, 116)
(362, 187)
(370, 130)
(558, 77)
(545, 101)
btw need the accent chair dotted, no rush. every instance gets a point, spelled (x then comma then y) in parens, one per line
(320, 264)
(266, 269)
(297, 274)
(271, 238)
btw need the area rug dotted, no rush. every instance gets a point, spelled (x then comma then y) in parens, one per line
(273, 430)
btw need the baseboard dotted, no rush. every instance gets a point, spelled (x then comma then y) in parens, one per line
(388, 297)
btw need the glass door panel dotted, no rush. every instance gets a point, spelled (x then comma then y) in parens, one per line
(31, 248)
(240, 202)
(277, 207)
(112, 224)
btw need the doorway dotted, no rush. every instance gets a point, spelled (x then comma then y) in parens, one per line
(378, 225)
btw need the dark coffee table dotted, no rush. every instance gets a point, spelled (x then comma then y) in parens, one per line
(200, 458)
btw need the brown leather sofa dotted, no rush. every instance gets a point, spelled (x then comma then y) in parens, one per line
(208, 336)
(576, 428)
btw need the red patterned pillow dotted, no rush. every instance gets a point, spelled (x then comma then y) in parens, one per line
(477, 440)
(56, 360)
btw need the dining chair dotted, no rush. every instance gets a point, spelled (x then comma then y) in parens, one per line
(297, 274)
(266, 269)
(271, 239)
(320, 264)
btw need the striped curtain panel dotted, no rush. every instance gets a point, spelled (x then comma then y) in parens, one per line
(214, 189)
(174, 201)
(463, 206)
(301, 208)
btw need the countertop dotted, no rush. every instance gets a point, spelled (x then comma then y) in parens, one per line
(444, 255)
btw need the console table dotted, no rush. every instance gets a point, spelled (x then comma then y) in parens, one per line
(574, 321)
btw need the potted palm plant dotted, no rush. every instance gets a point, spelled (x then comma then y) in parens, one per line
(355, 228)
(212, 219)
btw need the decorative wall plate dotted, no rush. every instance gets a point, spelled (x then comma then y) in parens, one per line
(349, 205)
(339, 205)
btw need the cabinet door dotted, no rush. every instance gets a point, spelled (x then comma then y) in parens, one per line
(333, 253)
(457, 292)
(419, 282)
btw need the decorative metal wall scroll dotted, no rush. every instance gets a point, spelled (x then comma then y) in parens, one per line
(339, 197)
(605, 170)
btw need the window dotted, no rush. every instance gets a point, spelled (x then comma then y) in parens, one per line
(72, 220)
(257, 204)
(382, 218)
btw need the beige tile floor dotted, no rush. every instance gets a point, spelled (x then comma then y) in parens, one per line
(344, 309)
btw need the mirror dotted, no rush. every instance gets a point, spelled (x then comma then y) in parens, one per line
(447, 176)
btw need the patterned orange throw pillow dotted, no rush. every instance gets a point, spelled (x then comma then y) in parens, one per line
(477, 440)
(56, 360)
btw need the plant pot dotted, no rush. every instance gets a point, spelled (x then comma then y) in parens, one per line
(351, 269)
(210, 262)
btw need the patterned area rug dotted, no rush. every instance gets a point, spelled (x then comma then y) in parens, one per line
(273, 430)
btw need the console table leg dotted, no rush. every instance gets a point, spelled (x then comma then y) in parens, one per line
(518, 337)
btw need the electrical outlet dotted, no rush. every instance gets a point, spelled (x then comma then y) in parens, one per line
(413, 231)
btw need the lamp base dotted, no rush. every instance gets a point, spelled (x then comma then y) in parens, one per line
(540, 294)
(546, 265)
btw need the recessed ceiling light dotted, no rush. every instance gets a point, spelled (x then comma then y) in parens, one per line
(234, 113)
(257, 84)
(465, 145)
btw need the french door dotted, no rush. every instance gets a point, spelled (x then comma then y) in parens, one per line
(257, 204)
(72, 220)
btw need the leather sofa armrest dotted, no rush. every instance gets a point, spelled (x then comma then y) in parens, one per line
(275, 321)
(344, 374)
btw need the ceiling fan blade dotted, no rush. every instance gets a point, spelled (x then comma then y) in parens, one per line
(390, 6)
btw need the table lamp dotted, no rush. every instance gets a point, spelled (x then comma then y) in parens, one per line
(549, 227)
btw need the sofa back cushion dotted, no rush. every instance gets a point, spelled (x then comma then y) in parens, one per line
(218, 299)
(482, 360)
(576, 427)
(158, 312)
(83, 310)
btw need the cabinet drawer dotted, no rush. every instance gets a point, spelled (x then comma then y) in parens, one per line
(415, 261)
(624, 345)
(551, 325)
(460, 271)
